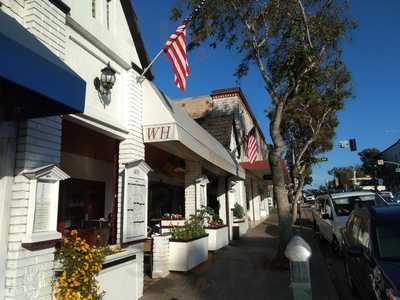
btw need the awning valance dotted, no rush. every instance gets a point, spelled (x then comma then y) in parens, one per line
(33, 81)
(165, 122)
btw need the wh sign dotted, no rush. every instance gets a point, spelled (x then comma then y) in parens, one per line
(159, 133)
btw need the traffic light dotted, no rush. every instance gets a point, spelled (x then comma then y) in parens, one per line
(353, 145)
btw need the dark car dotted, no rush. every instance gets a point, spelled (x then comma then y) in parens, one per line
(371, 248)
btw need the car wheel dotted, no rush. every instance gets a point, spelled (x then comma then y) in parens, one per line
(336, 246)
(349, 280)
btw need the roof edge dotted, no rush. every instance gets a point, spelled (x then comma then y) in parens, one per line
(133, 25)
(238, 91)
(394, 144)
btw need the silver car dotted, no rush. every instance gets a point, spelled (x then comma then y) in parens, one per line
(331, 212)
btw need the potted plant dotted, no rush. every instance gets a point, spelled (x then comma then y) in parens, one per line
(217, 231)
(92, 271)
(188, 245)
(81, 263)
(238, 219)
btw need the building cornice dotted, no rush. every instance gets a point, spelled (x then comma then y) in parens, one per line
(237, 91)
(61, 6)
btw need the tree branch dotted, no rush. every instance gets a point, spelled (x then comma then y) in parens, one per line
(311, 140)
(305, 19)
(256, 47)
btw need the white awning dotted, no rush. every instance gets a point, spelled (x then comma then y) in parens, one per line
(165, 122)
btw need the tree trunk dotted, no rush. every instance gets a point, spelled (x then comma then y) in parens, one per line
(279, 186)
(296, 198)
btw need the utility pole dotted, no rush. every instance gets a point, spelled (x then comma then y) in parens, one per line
(354, 177)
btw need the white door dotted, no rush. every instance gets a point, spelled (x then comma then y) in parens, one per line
(7, 161)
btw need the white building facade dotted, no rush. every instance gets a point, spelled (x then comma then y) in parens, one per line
(94, 159)
(227, 115)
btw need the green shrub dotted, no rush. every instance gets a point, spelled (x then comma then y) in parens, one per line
(238, 211)
(193, 228)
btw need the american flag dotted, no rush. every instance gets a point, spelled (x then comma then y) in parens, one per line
(175, 50)
(251, 145)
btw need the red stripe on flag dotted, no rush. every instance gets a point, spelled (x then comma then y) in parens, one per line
(251, 147)
(175, 50)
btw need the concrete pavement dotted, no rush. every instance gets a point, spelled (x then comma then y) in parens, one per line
(241, 271)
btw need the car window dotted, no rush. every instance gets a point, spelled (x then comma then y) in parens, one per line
(345, 205)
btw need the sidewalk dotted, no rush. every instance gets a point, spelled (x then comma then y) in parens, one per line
(322, 285)
(240, 271)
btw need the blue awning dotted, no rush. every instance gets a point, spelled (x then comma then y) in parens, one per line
(34, 82)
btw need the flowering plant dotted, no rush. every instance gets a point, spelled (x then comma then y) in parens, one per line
(81, 263)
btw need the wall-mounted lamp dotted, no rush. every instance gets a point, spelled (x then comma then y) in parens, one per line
(105, 83)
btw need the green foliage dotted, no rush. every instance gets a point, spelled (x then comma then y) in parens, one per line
(344, 176)
(274, 27)
(211, 217)
(298, 56)
(238, 211)
(369, 159)
(193, 228)
(81, 264)
(296, 46)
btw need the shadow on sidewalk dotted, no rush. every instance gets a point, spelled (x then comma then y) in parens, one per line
(240, 271)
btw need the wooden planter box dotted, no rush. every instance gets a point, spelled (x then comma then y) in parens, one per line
(243, 226)
(184, 256)
(217, 237)
(120, 276)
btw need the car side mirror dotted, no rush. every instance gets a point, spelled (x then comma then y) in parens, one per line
(326, 216)
(355, 251)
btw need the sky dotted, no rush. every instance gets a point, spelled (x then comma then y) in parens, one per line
(373, 57)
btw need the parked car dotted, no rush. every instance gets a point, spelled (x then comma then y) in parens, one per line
(388, 196)
(371, 247)
(332, 210)
(308, 198)
(396, 198)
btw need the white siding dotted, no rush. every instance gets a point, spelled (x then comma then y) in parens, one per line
(131, 149)
(14, 8)
(29, 273)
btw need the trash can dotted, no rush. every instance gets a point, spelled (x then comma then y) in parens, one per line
(235, 233)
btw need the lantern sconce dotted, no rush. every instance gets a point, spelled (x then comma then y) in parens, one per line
(105, 83)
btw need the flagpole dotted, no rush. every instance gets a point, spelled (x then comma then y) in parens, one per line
(141, 77)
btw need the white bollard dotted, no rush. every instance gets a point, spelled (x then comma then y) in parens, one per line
(299, 252)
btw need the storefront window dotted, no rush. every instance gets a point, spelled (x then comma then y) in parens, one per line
(82, 207)
(87, 201)
(165, 199)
